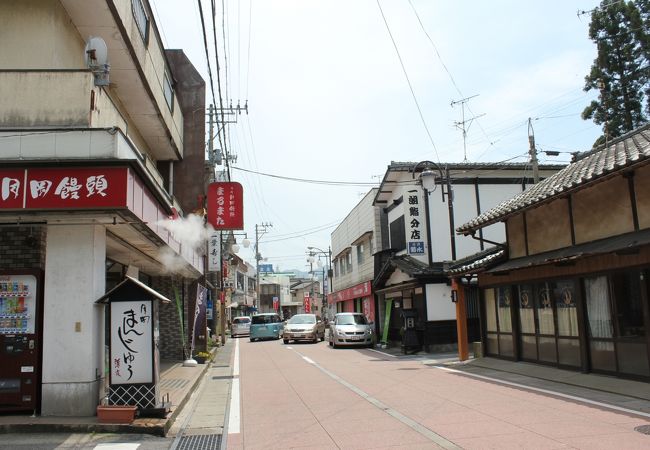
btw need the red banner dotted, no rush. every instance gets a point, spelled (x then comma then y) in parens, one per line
(306, 303)
(226, 205)
(64, 188)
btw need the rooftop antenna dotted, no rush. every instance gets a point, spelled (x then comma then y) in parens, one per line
(461, 125)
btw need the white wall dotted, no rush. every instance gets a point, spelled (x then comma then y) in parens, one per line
(73, 325)
(439, 304)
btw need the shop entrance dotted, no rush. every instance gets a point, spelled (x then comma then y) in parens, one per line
(617, 320)
(548, 323)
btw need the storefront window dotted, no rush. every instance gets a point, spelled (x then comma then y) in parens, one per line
(526, 309)
(598, 307)
(504, 301)
(629, 311)
(490, 311)
(544, 309)
(565, 303)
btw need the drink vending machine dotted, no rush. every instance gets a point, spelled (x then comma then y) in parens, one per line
(20, 340)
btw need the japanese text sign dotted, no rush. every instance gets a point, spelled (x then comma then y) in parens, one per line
(55, 188)
(131, 342)
(414, 222)
(226, 205)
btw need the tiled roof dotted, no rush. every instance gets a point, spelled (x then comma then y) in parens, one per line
(477, 262)
(596, 165)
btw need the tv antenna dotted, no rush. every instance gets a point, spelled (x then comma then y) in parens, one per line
(461, 125)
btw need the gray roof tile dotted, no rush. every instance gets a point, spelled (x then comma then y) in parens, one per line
(624, 152)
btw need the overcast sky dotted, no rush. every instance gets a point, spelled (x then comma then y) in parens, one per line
(329, 98)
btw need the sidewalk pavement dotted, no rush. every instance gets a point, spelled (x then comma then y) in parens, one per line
(181, 382)
(617, 392)
(175, 380)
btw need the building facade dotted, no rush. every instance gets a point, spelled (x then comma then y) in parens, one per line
(571, 289)
(419, 242)
(96, 131)
(354, 242)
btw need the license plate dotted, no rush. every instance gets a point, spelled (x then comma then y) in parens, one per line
(356, 338)
(262, 328)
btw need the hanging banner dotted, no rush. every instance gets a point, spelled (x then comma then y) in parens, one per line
(226, 205)
(199, 313)
(306, 303)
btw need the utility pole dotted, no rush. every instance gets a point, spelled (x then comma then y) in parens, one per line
(533, 151)
(260, 229)
(461, 125)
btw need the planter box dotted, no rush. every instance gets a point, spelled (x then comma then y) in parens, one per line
(116, 413)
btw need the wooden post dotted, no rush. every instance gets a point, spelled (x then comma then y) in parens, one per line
(461, 319)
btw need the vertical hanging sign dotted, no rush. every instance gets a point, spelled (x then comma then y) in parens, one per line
(214, 252)
(414, 224)
(226, 205)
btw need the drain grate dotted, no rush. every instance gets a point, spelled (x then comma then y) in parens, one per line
(645, 429)
(174, 383)
(200, 442)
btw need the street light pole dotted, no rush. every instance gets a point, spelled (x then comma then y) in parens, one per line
(328, 260)
(260, 229)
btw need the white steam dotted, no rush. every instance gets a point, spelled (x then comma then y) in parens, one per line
(190, 231)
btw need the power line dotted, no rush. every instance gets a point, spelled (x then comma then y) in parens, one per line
(417, 104)
(305, 180)
(216, 56)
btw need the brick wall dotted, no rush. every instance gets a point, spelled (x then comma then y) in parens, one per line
(22, 247)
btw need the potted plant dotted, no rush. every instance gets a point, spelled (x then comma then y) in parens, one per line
(202, 357)
(123, 414)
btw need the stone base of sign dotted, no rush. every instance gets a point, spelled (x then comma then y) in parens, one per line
(116, 413)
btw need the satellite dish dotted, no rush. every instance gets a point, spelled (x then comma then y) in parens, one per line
(96, 57)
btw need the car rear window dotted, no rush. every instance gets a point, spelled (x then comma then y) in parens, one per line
(302, 319)
(241, 320)
(351, 319)
(265, 319)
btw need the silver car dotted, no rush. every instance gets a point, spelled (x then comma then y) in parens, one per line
(241, 326)
(351, 329)
(304, 327)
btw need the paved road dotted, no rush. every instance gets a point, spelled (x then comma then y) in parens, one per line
(312, 396)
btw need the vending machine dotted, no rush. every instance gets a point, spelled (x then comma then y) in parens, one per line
(21, 305)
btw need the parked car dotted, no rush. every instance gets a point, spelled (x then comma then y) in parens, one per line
(241, 326)
(351, 329)
(266, 326)
(304, 327)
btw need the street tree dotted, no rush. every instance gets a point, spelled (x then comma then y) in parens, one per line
(620, 71)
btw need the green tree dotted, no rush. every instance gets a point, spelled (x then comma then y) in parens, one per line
(620, 71)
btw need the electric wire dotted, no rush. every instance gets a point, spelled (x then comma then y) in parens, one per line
(417, 104)
(248, 55)
(216, 56)
(305, 180)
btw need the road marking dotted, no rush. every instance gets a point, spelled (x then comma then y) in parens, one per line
(424, 431)
(382, 353)
(119, 446)
(546, 391)
(234, 415)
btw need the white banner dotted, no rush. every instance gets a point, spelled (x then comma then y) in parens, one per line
(214, 252)
(131, 342)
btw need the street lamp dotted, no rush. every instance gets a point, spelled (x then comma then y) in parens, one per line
(328, 259)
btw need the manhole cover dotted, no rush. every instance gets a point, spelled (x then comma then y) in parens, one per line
(200, 442)
(645, 429)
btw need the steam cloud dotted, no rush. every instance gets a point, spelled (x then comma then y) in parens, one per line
(190, 231)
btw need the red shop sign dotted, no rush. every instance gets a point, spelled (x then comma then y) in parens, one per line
(360, 290)
(226, 205)
(12, 188)
(64, 188)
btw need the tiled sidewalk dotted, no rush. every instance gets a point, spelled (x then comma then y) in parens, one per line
(175, 380)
